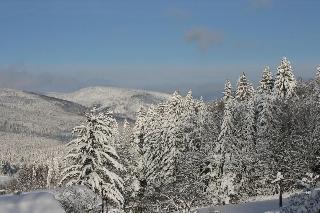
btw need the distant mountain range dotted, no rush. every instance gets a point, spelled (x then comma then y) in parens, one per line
(51, 117)
(123, 102)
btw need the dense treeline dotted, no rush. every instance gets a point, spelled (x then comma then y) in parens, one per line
(190, 153)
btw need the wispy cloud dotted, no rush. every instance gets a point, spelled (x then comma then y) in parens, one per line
(204, 38)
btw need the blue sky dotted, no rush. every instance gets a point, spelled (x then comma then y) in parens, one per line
(163, 45)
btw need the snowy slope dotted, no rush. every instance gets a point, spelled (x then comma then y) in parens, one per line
(34, 202)
(19, 148)
(37, 115)
(123, 102)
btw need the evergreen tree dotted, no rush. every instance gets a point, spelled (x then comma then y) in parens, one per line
(265, 106)
(154, 147)
(92, 159)
(267, 82)
(129, 155)
(318, 73)
(189, 123)
(221, 165)
(285, 82)
(173, 141)
(139, 128)
(227, 91)
(244, 89)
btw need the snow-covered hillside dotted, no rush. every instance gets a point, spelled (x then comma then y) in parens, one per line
(123, 102)
(37, 115)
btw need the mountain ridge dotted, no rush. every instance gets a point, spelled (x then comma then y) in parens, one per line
(124, 102)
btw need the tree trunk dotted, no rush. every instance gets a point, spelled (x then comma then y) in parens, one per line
(280, 194)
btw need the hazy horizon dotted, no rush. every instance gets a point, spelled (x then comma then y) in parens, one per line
(164, 46)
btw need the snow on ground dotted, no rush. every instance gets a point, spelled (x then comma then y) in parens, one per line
(33, 202)
(260, 204)
(250, 207)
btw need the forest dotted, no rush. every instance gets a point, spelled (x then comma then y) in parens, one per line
(186, 153)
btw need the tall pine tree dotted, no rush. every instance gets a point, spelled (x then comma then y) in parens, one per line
(285, 82)
(92, 159)
(267, 82)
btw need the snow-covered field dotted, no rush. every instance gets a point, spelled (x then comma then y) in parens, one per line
(33, 202)
(124, 102)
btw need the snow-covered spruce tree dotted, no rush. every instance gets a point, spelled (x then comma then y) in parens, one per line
(155, 169)
(139, 134)
(227, 94)
(317, 77)
(129, 155)
(244, 90)
(264, 102)
(54, 172)
(285, 81)
(153, 149)
(139, 127)
(221, 165)
(92, 159)
(267, 82)
(139, 141)
(192, 137)
(266, 130)
(243, 148)
(172, 138)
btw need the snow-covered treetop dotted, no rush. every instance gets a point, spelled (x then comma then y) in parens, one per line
(244, 89)
(285, 82)
(267, 82)
(126, 124)
(227, 91)
(318, 72)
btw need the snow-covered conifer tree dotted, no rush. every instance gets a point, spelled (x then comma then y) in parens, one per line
(285, 82)
(92, 159)
(189, 121)
(244, 89)
(129, 154)
(227, 91)
(242, 148)
(318, 73)
(139, 128)
(173, 136)
(221, 165)
(153, 146)
(267, 82)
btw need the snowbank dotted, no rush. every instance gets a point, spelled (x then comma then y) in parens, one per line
(33, 202)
